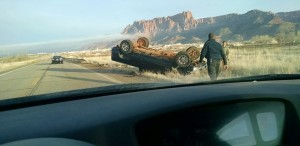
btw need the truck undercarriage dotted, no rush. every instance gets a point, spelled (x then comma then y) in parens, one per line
(148, 59)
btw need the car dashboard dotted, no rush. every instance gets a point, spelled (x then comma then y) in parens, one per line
(240, 113)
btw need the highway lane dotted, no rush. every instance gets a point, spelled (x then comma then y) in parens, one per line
(44, 77)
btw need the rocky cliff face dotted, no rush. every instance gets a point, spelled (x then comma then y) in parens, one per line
(183, 28)
(174, 24)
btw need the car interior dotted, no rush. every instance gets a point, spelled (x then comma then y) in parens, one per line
(149, 73)
(223, 113)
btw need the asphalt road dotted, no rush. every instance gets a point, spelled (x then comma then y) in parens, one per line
(43, 78)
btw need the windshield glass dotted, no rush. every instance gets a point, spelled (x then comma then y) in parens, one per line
(59, 46)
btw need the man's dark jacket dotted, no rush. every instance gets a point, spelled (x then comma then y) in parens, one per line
(213, 50)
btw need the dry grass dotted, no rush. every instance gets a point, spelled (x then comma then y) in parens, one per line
(104, 61)
(264, 61)
(174, 76)
(243, 62)
(246, 62)
(9, 63)
(18, 58)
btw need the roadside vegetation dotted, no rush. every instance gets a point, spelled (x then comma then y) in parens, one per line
(246, 60)
(12, 62)
(17, 58)
(100, 58)
(277, 60)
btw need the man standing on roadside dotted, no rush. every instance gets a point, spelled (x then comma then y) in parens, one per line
(226, 49)
(214, 53)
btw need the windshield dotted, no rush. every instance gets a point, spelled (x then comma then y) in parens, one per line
(59, 46)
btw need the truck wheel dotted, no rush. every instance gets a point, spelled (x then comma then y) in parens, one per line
(193, 52)
(182, 59)
(126, 46)
(144, 41)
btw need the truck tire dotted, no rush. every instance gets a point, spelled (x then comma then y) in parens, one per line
(126, 46)
(193, 52)
(182, 59)
(145, 42)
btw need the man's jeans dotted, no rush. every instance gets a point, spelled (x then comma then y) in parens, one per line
(213, 69)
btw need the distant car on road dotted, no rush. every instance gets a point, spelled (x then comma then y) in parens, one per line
(57, 59)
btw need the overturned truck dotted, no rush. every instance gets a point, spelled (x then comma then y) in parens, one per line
(148, 59)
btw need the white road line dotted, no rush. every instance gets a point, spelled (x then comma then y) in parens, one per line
(14, 70)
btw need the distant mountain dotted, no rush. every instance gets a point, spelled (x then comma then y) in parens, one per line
(90, 43)
(293, 16)
(184, 28)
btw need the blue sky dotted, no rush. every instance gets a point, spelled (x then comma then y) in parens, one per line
(31, 21)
